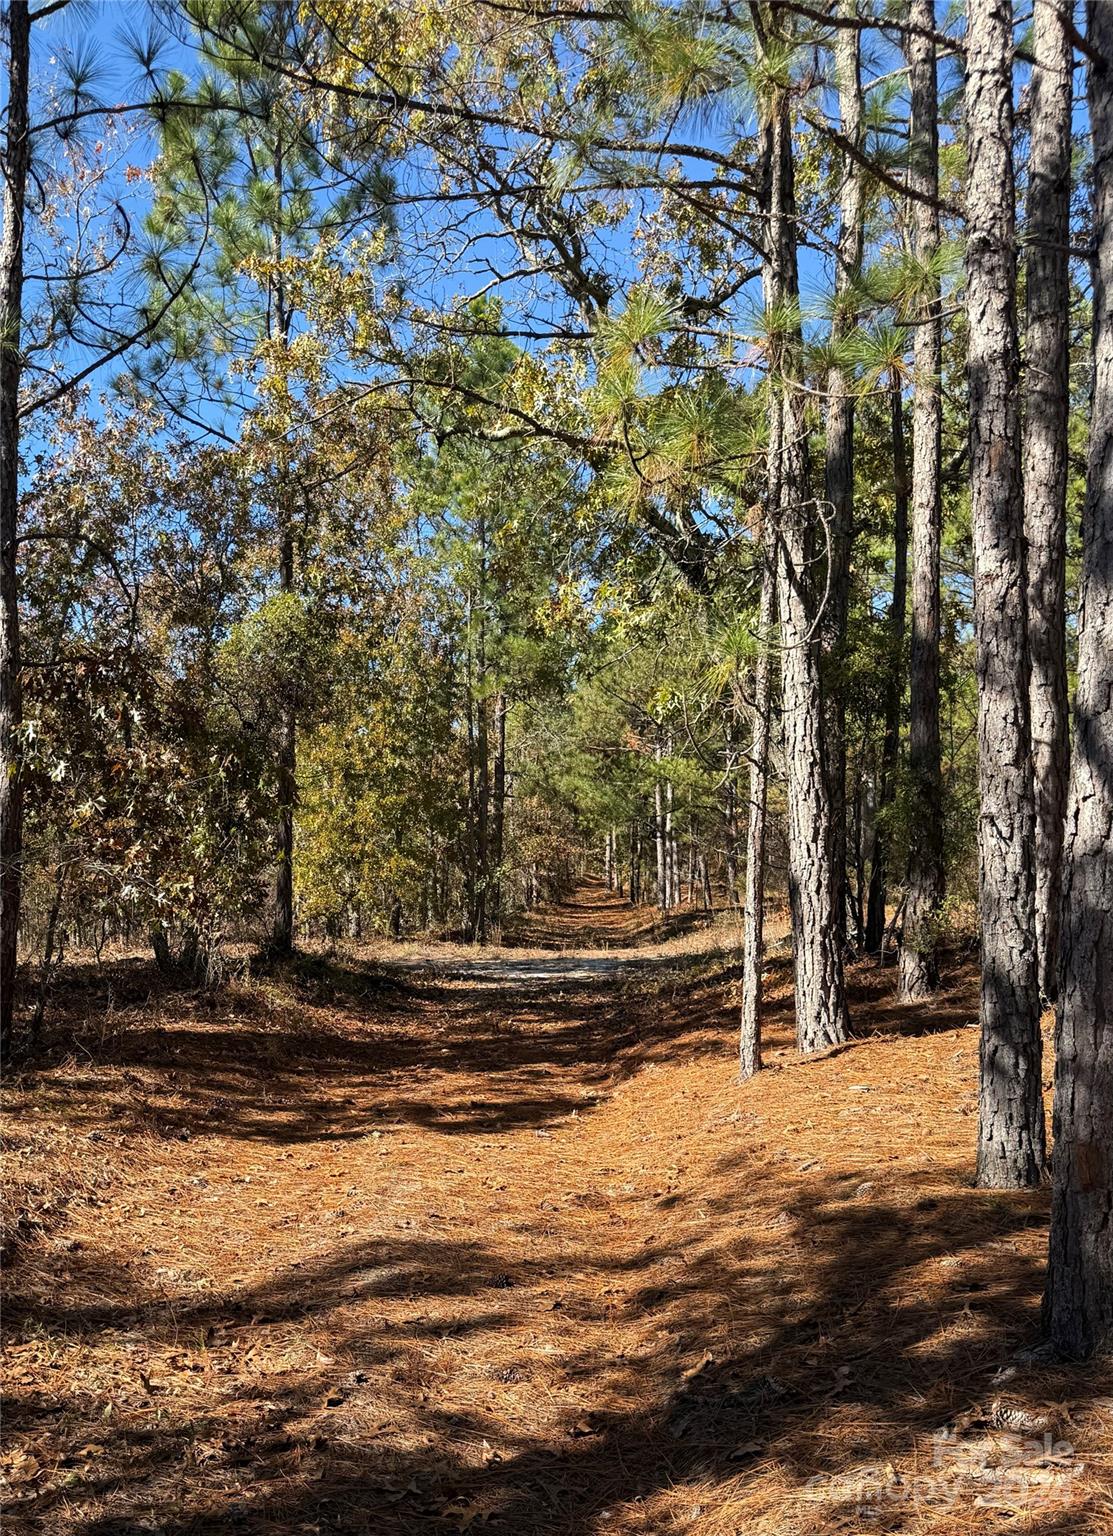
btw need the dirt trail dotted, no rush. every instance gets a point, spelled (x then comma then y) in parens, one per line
(589, 937)
(500, 1244)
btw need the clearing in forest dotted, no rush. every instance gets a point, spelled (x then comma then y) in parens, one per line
(499, 1243)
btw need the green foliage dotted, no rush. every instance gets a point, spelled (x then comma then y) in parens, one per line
(277, 657)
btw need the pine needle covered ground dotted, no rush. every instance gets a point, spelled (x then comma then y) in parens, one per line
(513, 1251)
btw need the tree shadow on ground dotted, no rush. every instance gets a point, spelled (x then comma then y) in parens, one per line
(342, 1053)
(837, 1365)
(874, 1008)
(595, 918)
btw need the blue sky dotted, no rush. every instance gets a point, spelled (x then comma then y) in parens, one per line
(445, 253)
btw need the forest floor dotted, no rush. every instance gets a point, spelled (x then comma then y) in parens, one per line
(499, 1243)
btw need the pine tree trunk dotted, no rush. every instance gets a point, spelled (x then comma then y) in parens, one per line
(662, 843)
(482, 826)
(468, 836)
(283, 940)
(919, 967)
(821, 1015)
(730, 807)
(1046, 404)
(284, 873)
(858, 804)
(498, 809)
(753, 931)
(280, 315)
(1078, 1306)
(672, 872)
(1010, 1107)
(16, 160)
(894, 683)
(839, 450)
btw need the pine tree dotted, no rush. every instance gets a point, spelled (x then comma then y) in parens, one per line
(918, 960)
(1046, 411)
(1010, 1104)
(1078, 1305)
(839, 440)
(821, 1013)
(17, 155)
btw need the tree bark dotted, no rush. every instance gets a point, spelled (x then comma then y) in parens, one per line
(753, 931)
(480, 742)
(662, 841)
(498, 809)
(17, 152)
(821, 1014)
(283, 939)
(1010, 1105)
(705, 883)
(839, 447)
(894, 683)
(672, 863)
(481, 827)
(1078, 1305)
(730, 828)
(1046, 408)
(858, 804)
(919, 971)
